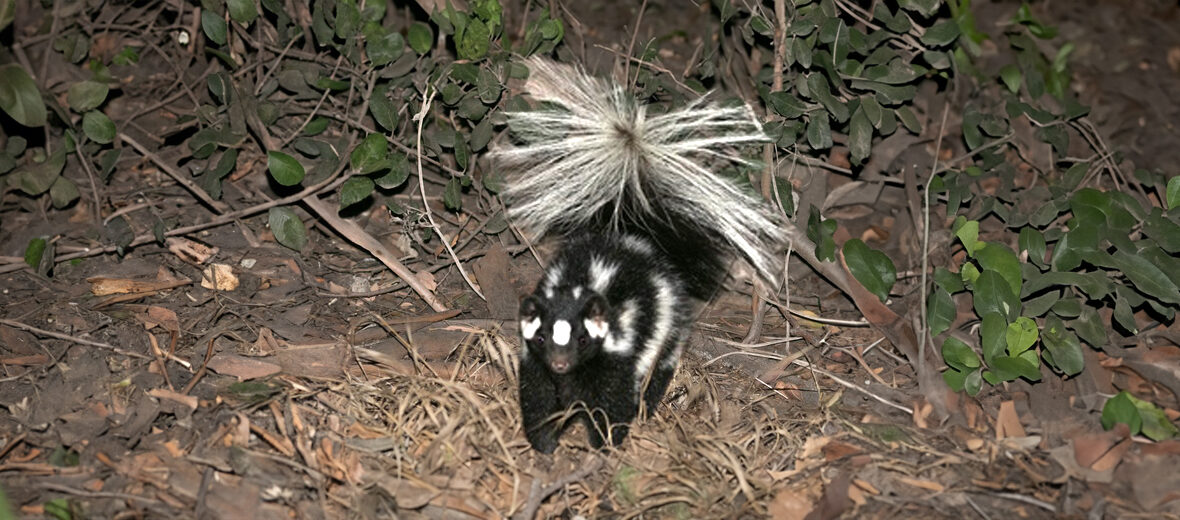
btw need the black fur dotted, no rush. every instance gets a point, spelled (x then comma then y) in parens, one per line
(602, 388)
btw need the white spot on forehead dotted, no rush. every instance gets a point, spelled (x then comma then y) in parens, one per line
(528, 328)
(577, 292)
(561, 332)
(601, 273)
(662, 319)
(622, 339)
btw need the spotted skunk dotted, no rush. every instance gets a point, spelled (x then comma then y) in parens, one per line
(648, 234)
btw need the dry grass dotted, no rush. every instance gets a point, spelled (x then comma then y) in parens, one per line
(454, 438)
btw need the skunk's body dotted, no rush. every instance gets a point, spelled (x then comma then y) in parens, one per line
(648, 231)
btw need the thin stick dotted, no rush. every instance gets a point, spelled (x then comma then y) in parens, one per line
(925, 331)
(537, 493)
(80, 341)
(420, 117)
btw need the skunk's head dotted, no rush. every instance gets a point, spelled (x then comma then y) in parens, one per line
(564, 329)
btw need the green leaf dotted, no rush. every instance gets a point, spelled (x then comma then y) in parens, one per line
(973, 383)
(967, 231)
(1011, 77)
(1089, 326)
(214, 26)
(997, 257)
(372, 154)
(949, 281)
(397, 173)
(1156, 425)
(474, 42)
(820, 91)
(383, 109)
(958, 355)
(383, 46)
(908, 119)
(284, 169)
(993, 330)
(940, 311)
(922, 7)
(819, 133)
(63, 192)
(873, 269)
(242, 11)
(35, 251)
(1033, 242)
(956, 380)
(19, 96)
(1021, 335)
(488, 87)
(1008, 368)
(785, 104)
(287, 227)
(59, 508)
(86, 95)
(451, 194)
(820, 232)
(860, 136)
(1120, 409)
(1123, 315)
(1062, 348)
(421, 37)
(37, 179)
(993, 294)
(98, 127)
(326, 83)
(348, 19)
(1173, 192)
(941, 33)
(480, 135)
(1146, 277)
(354, 190)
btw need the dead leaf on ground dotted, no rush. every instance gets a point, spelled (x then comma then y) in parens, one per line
(242, 367)
(219, 277)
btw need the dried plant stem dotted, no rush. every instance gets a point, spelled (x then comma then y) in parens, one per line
(420, 118)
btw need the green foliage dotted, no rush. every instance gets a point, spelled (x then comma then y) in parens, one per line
(287, 228)
(19, 96)
(1081, 253)
(870, 267)
(1141, 416)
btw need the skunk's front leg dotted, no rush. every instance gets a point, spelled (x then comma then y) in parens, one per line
(538, 406)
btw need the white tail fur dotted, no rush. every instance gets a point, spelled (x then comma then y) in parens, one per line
(603, 151)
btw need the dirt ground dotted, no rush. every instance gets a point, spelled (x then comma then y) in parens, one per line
(130, 389)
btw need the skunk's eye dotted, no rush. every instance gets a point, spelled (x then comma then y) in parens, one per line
(540, 340)
(582, 341)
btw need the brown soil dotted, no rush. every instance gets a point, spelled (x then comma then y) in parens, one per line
(282, 399)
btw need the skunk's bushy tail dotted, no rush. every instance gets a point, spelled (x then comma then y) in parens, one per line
(600, 159)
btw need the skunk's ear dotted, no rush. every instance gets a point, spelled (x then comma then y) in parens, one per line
(594, 316)
(595, 308)
(530, 307)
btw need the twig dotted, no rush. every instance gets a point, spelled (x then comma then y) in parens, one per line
(537, 493)
(95, 494)
(925, 332)
(80, 341)
(327, 184)
(180, 178)
(420, 117)
(631, 46)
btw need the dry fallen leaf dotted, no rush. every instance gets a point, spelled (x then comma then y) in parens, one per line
(190, 251)
(220, 277)
(789, 504)
(1008, 422)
